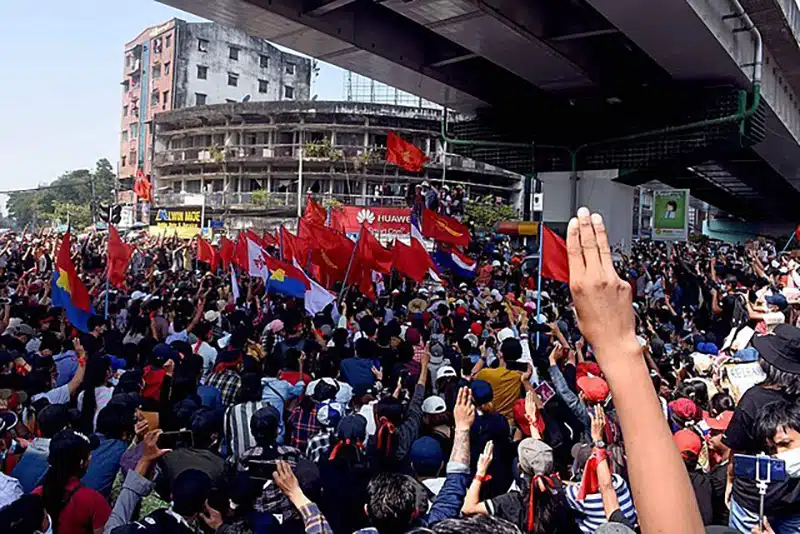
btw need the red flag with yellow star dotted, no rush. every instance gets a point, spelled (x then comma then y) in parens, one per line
(404, 154)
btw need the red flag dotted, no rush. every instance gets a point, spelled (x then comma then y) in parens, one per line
(405, 262)
(119, 254)
(142, 186)
(797, 233)
(555, 263)
(68, 276)
(269, 240)
(371, 255)
(207, 254)
(337, 220)
(254, 237)
(444, 229)
(314, 212)
(404, 154)
(330, 251)
(226, 250)
(240, 256)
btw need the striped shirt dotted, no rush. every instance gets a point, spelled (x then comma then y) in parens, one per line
(592, 506)
(237, 426)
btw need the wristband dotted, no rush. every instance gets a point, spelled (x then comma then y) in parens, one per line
(482, 478)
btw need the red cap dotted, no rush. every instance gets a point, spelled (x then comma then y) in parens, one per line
(689, 443)
(594, 388)
(719, 422)
(588, 368)
(686, 409)
(476, 329)
(461, 311)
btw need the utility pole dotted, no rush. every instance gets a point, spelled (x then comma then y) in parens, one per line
(92, 205)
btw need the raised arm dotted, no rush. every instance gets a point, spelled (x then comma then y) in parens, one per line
(605, 316)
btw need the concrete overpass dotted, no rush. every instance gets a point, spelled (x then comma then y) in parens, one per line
(570, 73)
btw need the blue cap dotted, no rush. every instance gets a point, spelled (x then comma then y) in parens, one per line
(481, 392)
(747, 355)
(777, 300)
(426, 456)
(353, 427)
(163, 352)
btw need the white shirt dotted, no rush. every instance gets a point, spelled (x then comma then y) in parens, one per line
(10, 490)
(102, 395)
(59, 395)
(209, 355)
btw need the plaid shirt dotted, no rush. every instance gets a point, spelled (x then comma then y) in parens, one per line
(228, 382)
(319, 445)
(314, 521)
(304, 425)
(272, 500)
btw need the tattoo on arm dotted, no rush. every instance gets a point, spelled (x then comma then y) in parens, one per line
(460, 451)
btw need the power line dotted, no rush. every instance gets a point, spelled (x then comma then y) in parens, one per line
(45, 187)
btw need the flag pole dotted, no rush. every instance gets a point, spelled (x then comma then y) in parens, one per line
(539, 283)
(108, 264)
(350, 263)
(791, 239)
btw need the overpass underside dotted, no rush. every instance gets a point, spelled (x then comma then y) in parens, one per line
(557, 75)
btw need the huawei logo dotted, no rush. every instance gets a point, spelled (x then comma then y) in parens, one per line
(365, 216)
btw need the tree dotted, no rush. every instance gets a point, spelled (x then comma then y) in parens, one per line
(484, 213)
(73, 188)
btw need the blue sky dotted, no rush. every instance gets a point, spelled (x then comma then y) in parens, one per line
(60, 95)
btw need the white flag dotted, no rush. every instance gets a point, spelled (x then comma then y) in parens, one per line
(234, 285)
(316, 297)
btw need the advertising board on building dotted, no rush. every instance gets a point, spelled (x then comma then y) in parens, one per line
(670, 215)
(184, 221)
(386, 223)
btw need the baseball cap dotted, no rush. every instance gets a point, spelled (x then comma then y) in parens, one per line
(719, 422)
(353, 427)
(686, 409)
(163, 352)
(535, 457)
(444, 372)
(504, 334)
(689, 443)
(426, 456)
(434, 404)
(481, 392)
(594, 388)
(777, 300)
(330, 413)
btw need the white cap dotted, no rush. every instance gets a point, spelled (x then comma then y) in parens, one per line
(434, 404)
(445, 371)
(211, 316)
(496, 263)
(138, 295)
(504, 334)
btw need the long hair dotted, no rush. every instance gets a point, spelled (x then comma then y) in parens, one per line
(788, 383)
(62, 469)
(96, 376)
(547, 511)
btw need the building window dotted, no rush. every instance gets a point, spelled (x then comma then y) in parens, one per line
(157, 45)
(134, 131)
(155, 97)
(124, 136)
(156, 72)
(199, 99)
(264, 62)
(234, 53)
(167, 41)
(288, 92)
(202, 72)
(124, 160)
(125, 110)
(202, 45)
(126, 86)
(233, 79)
(164, 99)
(166, 68)
(262, 86)
(290, 69)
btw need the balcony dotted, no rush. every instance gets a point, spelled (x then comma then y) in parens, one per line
(270, 201)
(357, 155)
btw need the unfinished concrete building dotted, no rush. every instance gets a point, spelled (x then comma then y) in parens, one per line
(243, 160)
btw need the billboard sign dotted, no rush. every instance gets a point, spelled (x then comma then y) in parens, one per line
(671, 215)
(384, 222)
(181, 220)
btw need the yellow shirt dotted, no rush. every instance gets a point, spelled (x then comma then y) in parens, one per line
(505, 388)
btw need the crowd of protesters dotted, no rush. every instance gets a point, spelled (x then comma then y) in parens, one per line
(462, 407)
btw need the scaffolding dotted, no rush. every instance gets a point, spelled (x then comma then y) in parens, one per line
(358, 88)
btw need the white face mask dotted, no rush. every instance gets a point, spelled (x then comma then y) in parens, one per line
(792, 459)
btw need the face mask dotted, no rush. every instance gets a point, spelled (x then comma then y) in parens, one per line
(114, 381)
(792, 459)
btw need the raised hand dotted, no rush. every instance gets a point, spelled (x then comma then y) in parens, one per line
(464, 410)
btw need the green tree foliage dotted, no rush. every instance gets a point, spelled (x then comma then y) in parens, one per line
(73, 188)
(80, 216)
(484, 213)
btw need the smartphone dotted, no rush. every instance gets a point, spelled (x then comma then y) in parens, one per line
(761, 468)
(180, 439)
(545, 392)
(261, 469)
